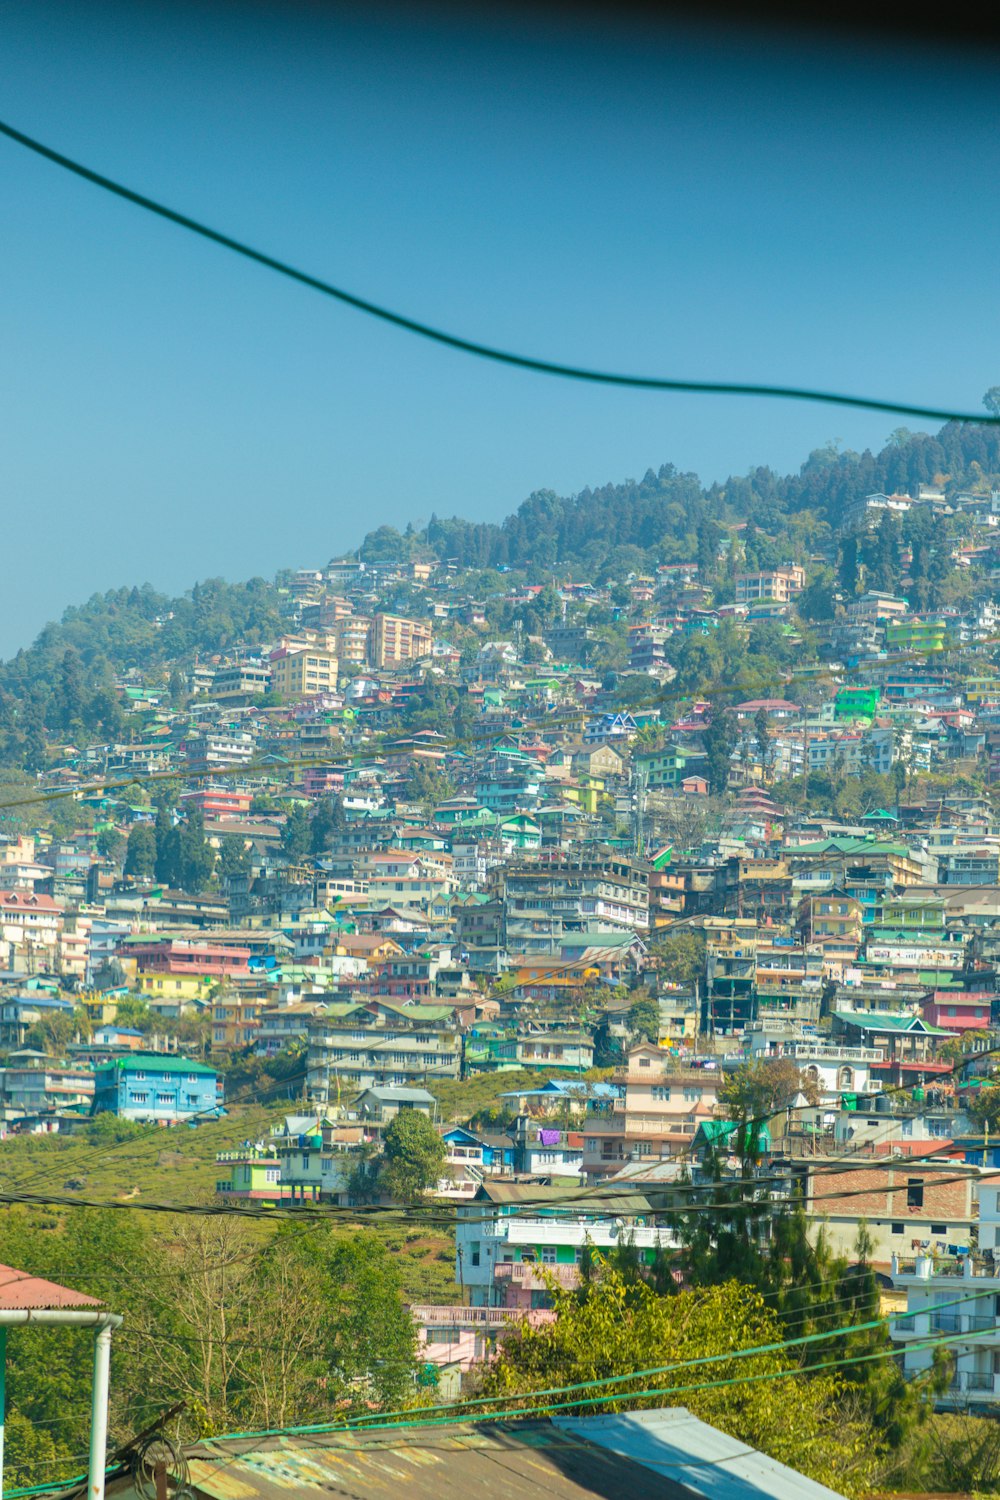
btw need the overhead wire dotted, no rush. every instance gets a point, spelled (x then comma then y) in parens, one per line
(474, 347)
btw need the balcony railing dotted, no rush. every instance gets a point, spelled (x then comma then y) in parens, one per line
(972, 1380)
(535, 1275)
(463, 1317)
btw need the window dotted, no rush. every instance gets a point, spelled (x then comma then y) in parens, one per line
(305, 1161)
(661, 1093)
(898, 1228)
(644, 1062)
(165, 1099)
(548, 1255)
(475, 1248)
(272, 1174)
(140, 1097)
(914, 1192)
(939, 1229)
(139, 1077)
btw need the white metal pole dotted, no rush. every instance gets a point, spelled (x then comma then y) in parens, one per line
(99, 1412)
(3, 1397)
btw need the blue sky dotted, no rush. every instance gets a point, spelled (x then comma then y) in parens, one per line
(740, 208)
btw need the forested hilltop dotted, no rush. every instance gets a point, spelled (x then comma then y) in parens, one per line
(659, 515)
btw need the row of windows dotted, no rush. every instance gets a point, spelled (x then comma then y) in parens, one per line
(168, 1101)
(140, 1077)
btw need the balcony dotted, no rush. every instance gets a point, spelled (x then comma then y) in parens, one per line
(979, 1383)
(535, 1275)
(464, 1317)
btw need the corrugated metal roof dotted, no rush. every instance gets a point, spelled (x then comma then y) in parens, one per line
(20, 1290)
(653, 1455)
(512, 1461)
(705, 1461)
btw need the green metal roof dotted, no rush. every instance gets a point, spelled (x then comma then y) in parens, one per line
(873, 1021)
(158, 1062)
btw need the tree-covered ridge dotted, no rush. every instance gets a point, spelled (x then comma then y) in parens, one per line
(660, 514)
(65, 684)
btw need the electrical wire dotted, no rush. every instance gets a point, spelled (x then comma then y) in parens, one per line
(472, 346)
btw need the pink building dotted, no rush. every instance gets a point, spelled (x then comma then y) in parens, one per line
(467, 1336)
(957, 1010)
(663, 1106)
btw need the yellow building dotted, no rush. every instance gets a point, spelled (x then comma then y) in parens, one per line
(303, 670)
(235, 1021)
(154, 984)
(395, 639)
(351, 638)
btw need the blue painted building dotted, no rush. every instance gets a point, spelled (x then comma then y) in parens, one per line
(492, 1151)
(157, 1089)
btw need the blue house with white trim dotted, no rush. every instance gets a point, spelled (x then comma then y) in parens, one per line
(157, 1089)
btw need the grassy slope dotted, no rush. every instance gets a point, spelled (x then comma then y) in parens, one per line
(179, 1166)
(459, 1100)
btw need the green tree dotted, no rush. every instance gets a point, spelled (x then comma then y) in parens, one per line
(762, 734)
(369, 1337)
(413, 1157)
(132, 1010)
(753, 1094)
(235, 859)
(140, 852)
(111, 845)
(295, 835)
(615, 1325)
(680, 957)
(328, 825)
(644, 1016)
(720, 741)
(196, 856)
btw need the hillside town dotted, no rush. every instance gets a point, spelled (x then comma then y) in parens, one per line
(643, 863)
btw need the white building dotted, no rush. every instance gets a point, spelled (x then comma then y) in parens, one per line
(959, 1296)
(516, 1236)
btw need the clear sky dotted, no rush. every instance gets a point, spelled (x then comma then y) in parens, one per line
(816, 213)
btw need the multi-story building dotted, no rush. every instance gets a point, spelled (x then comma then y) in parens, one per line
(836, 1067)
(917, 634)
(656, 1115)
(303, 669)
(506, 1256)
(178, 966)
(955, 1298)
(239, 681)
(157, 1089)
(395, 639)
(904, 1201)
(355, 1046)
(235, 1020)
(351, 636)
(560, 892)
(968, 865)
(30, 925)
(778, 584)
(213, 749)
(730, 973)
(32, 1085)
